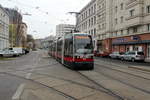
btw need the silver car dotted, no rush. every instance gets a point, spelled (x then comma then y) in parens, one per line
(8, 53)
(116, 54)
(133, 56)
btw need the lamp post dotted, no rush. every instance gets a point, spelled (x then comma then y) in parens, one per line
(76, 14)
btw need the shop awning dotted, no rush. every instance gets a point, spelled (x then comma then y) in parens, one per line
(132, 42)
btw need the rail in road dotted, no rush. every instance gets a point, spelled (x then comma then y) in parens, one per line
(98, 87)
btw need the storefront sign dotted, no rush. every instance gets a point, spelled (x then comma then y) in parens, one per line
(135, 37)
(119, 40)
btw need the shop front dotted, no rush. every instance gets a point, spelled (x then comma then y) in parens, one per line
(132, 43)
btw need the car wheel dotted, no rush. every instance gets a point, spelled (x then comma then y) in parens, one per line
(122, 58)
(133, 60)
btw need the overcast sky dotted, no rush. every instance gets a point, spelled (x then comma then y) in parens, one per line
(41, 23)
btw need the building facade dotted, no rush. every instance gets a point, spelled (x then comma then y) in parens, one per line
(62, 29)
(4, 28)
(22, 42)
(15, 26)
(86, 20)
(123, 25)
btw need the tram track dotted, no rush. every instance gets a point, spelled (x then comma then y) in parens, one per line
(101, 89)
(122, 71)
(123, 82)
(41, 84)
(128, 66)
(108, 91)
(38, 83)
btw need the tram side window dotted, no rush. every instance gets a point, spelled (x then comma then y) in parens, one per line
(59, 47)
(68, 50)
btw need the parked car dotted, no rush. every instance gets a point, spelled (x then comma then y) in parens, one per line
(133, 56)
(116, 54)
(8, 53)
(103, 54)
(19, 50)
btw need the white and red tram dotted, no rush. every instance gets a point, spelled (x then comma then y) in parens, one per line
(74, 50)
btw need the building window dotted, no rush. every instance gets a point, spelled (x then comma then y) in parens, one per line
(116, 21)
(128, 31)
(121, 6)
(89, 22)
(148, 27)
(135, 29)
(148, 9)
(121, 32)
(94, 20)
(94, 32)
(99, 26)
(116, 9)
(132, 12)
(103, 26)
(94, 8)
(121, 19)
(89, 12)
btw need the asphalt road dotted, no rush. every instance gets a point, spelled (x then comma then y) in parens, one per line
(10, 83)
(46, 79)
(8, 86)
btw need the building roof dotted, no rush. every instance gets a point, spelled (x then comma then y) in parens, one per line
(86, 6)
(4, 10)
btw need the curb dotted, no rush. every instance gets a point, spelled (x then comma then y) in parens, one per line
(18, 93)
(139, 68)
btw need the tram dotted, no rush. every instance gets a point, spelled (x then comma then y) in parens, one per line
(74, 50)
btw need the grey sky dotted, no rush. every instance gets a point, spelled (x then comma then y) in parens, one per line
(41, 24)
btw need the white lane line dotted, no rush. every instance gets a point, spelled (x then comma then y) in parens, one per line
(18, 93)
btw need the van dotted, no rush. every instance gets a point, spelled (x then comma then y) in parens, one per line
(19, 50)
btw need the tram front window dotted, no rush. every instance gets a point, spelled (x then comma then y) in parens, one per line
(83, 44)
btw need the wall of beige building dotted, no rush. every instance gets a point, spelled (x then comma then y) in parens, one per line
(117, 18)
(86, 20)
(4, 28)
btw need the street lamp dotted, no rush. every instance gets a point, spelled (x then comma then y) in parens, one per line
(76, 14)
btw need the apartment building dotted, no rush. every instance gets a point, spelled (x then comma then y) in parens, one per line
(86, 20)
(4, 28)
(123, 25)
(62, 29)
(15, 27)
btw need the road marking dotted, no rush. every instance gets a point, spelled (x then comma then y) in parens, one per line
(18, 93)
